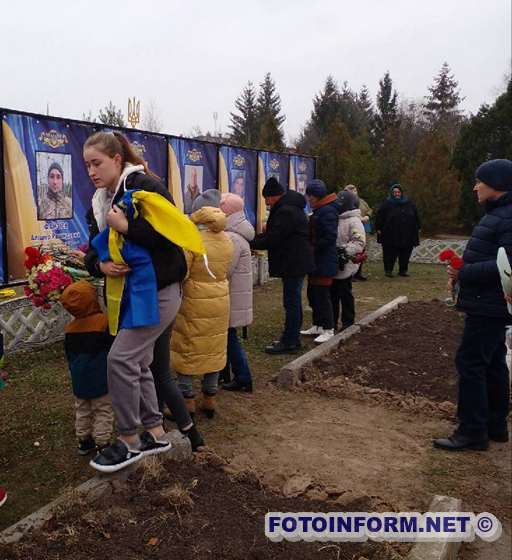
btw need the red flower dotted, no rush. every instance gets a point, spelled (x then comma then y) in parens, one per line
(447, 255)
(456, 262)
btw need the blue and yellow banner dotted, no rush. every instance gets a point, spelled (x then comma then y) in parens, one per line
(47, 187)
(192, 170)
(270, 164)
(152, 149)
(238, 172)
(302, 170)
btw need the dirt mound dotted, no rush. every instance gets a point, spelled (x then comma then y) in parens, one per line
(409, 352)
(191, 510)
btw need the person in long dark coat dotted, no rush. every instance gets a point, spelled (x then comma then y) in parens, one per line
(398, 225)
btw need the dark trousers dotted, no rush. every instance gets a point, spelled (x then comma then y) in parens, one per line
(292, 303)
(341, 293)
(484, 389)
(237, 360)
(389, 255)
(320, 301)
(167, 391)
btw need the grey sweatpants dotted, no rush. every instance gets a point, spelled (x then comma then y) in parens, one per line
(130, 381)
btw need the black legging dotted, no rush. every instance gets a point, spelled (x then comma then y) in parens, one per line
(389, 255)
(341, 292)
(320, 301)
(166, 389)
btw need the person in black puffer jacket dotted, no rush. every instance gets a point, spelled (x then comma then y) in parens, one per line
(290, 257)
(323, 226)
(484, 388)
(115, 168)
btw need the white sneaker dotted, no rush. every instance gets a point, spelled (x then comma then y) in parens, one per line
(325, 336)
(313, 331)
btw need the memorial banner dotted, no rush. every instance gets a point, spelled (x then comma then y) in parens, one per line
(47, 187)
(152, 149)
(270, 164)
(238, 174)
(192, 169)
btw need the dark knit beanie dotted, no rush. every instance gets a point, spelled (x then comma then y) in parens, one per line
(496, 173)
(56, 166)
(347, 201)
(317, 188)
(272, 187)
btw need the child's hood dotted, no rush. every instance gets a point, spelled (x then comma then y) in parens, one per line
(81, 299)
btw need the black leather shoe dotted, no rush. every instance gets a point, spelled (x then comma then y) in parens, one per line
(459, 442)
(500, 437)
(280, 348)
(404, 274)
(236, 386)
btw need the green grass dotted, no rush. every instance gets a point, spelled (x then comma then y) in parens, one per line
(37, 404)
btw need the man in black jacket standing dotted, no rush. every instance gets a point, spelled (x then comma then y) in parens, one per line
(290, 257)
(484, 388)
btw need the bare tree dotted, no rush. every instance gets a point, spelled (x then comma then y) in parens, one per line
(151, 117)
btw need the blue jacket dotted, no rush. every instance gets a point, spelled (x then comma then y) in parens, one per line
(480, 286)
(324, 232)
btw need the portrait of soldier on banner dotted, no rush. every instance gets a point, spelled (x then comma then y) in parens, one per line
(54, 186)
(193, 186)
(238, 183)
(302, 180)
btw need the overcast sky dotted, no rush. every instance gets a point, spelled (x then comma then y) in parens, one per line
(193, 58)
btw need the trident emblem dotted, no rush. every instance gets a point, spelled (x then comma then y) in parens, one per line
(133, 112)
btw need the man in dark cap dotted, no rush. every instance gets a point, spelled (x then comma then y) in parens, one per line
(484, 387)
(290, 257)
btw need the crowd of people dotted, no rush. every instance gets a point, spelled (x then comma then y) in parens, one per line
(178, 288)
(171, 305)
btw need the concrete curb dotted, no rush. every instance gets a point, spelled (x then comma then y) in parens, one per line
(291, 374)
(100, 486)
(438, 550)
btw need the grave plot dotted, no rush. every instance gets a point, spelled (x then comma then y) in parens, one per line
(189, 510)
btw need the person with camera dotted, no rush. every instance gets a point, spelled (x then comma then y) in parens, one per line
(350, 245)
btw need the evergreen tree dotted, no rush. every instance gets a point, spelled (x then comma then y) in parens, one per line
(111, 115)
(433, 184)
(269, 117)
(325, 106)
(334, 155)
(487, 135)
(362, 169)
(441, 107)
(365, 105)
(386, 117)
(244, 125)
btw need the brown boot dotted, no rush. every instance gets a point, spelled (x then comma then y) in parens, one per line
(208, 405)
(190, 403)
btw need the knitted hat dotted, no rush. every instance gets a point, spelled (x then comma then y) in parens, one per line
(210, 197)
(272, 187)
(496, 173)
(56, 166)
(347, 200)
(231, 203)
(317, 188)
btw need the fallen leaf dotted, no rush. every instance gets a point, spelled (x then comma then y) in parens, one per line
(153, 541)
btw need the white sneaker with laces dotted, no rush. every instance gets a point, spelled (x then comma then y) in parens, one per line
(325, 336)
(313, 331)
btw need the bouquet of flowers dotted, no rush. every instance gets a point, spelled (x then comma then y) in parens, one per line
(71, 260)
(46, 278)
(449, 257)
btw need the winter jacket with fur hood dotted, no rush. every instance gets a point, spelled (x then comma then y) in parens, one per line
(351, 237)
(199, 336)
(240, 273)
